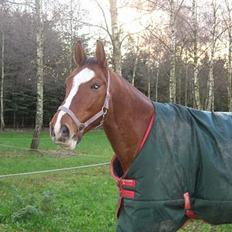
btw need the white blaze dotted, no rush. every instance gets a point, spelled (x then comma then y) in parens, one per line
(83, 76)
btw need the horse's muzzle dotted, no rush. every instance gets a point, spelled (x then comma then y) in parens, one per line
(63, 137)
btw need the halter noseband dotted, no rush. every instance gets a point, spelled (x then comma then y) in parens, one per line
(102, 113)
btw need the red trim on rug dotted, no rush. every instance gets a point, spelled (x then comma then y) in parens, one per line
(140, 146)
(187, 206)
(123, 193)
(119, 206)
(121, 183)
(116, 178)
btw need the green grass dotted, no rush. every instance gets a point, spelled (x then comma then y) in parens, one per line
(16, 157)
(69, 201)
(81, 200)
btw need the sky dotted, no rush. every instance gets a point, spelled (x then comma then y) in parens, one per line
(131, 20)
(126, 17)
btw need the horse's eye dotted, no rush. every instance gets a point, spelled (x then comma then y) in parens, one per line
(95, 86)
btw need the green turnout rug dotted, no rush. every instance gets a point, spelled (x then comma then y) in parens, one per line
(183, 170)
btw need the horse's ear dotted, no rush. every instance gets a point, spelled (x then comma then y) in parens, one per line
(100, 54)
(80, 56)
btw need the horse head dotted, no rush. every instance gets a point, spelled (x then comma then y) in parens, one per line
(86, 99)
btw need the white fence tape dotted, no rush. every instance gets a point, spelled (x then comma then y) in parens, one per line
(54, 170)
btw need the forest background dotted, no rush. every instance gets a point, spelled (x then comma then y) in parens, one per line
(172, 50)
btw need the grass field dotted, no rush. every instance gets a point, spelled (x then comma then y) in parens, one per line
(70, 201)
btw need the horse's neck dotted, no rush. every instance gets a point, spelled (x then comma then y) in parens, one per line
(127, 119)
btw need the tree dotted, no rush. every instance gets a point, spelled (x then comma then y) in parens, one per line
(3, 27)
(136, 58)
(228, 23)
(2, 123)
(169, 41)
(196, 83)
(20, 85)
(146, 63)
(157, 80)
(148, 78)
(67, 17)
(186, 78)
(40, 74)
(113, 31)
(213, 42)
(172, 80)
(115, 37)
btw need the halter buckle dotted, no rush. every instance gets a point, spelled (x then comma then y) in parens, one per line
(105, 110)
(81, 127)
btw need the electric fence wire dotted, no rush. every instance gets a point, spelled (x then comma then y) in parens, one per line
(54, 170)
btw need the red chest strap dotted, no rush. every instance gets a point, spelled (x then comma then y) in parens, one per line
(187, 206)
(121, 183)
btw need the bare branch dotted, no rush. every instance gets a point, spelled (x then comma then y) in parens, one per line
(30, 4)
(177, 11)
(105, 20)
(160, 40)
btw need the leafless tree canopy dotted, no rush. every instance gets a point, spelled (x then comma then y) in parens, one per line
(180, 52)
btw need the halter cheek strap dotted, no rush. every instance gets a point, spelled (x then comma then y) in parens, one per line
(71, 114)
(102, 113)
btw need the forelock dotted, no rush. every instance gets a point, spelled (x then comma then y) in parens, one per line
(91, 60)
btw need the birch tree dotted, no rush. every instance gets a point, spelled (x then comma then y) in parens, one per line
(2, 123)
(186, 79)
(114, 31)
(135, 63)
(134, 68)
(196, 84)
(40, 74)
(157, 80)
(168, 41)
(74, 23)
(148, 81)
(214, 38)
(71, 35)
(228, 22)
(115, 37)
(172, 80)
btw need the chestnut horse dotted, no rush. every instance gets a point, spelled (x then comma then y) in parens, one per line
(168, 157)
(86, 92)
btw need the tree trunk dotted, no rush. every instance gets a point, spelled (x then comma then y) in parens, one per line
(172, 80)
(115, 37)
(157, 82)
(210, 84)
(196, 84)
(179, 87)
(14, 120)
(229, 29)
(186, 86)
(210, 99)
(230, 72)
(71, 36)
(2, 123)
(149, 85)
(39, 62)
(135, 66)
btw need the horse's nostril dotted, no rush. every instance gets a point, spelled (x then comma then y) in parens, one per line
(64, 131)
(52, 131)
